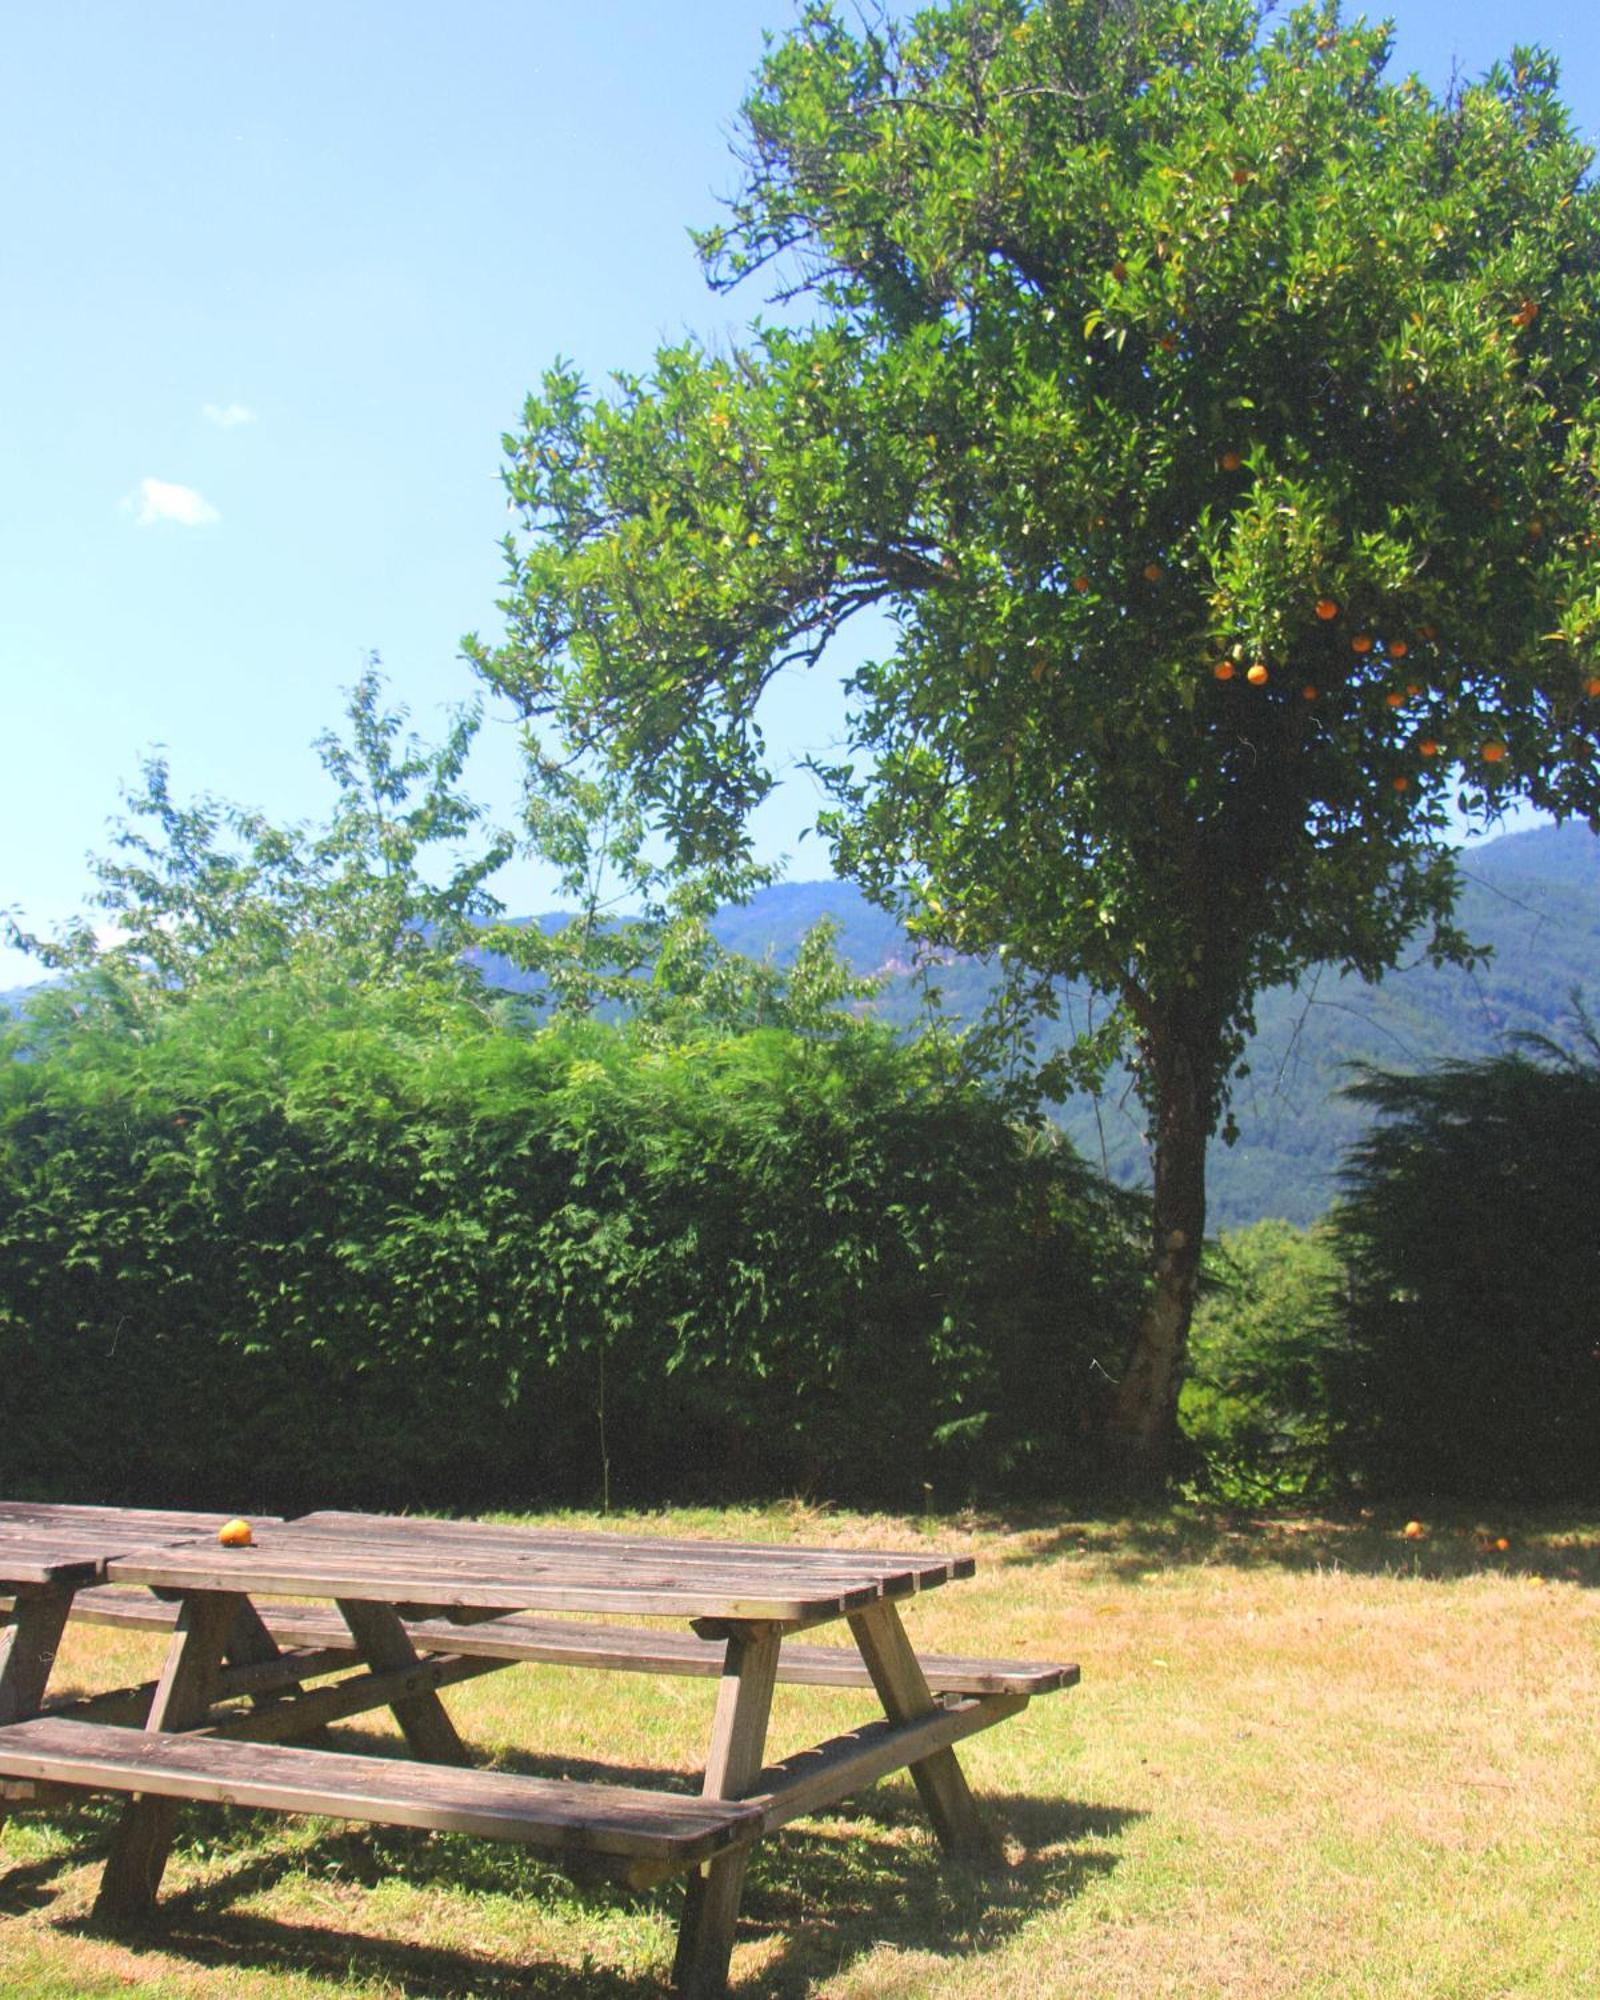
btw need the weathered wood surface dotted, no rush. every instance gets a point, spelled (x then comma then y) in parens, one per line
(618, 1648)
(44, 1542)
(903, 1689)
(738, 1739)
(393, 1791)
(481, 1568)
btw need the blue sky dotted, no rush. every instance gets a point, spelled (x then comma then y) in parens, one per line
(273, 281)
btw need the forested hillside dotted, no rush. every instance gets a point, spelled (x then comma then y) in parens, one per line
(1532, 899)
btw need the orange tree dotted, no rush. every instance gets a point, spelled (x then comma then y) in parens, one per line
(1215, 417)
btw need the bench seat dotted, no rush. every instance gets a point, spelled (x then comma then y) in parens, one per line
(624, 1649)
(615, 1823)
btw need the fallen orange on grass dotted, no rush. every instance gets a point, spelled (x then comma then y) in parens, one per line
(235, 1535)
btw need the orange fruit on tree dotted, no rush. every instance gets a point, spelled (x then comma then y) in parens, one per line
(1231, 461)
(1258, 675)
(1427, 747)
(1080, 583)
(1223, 670)
(1327, 609)
(1493, 753)
(1362, 643)
(1413, 1531)
(1308, 692)
(1398, 649)
(1152, 572)
(1594, 685)
(1402, 784)
(235, 1534)
(1395, 699)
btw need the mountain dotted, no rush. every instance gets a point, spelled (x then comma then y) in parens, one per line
(1532, 900)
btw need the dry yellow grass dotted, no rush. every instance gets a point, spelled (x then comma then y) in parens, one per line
(1307, 1759)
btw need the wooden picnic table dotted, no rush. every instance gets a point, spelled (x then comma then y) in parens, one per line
(421, 1604)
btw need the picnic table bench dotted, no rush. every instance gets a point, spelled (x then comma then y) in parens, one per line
(419, 1604)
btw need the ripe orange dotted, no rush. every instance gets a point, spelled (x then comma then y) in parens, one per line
(1501, 1543)
(1080, 583)
(1361, 643)
(1152, 572)
(1223, 670)
(1308, 692)
(1398, 649)
(1428, 747)
(1594, 685)
(1327, 609)
(1231, 461)
(235, 1535)
(1402, 784)
(1395, 699)
(1494, 753)
(1413, 1531)
(1258, 676)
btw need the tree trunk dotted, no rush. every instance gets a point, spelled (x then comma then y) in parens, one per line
(1144, 1411)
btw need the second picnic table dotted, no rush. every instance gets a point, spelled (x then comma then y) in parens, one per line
(417, 1604)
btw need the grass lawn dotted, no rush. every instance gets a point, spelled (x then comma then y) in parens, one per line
(1308, 1758)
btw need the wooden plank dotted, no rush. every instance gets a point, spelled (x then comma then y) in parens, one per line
(616, 1648)
(903, 1689)
(383, 1643)
(558, 1813)
(932, 1565)
(303, 1714)
(817, 1779)
(323, 1568)
(28, 1652)
(182, 1700)
(738, 1739)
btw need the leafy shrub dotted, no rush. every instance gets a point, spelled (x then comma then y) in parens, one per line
(282, 1244)
(1266, 1332)
(1469, 1232)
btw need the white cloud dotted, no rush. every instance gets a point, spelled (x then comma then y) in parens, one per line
(156, 500)
(227, 416)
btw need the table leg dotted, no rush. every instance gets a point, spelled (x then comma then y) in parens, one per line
(182, 1700)
(738, 1741)
(27, 1653)
(385, 1645)
(903, 1689)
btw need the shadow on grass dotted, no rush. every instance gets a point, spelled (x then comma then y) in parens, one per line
(815, 1897)
(1455, 1542)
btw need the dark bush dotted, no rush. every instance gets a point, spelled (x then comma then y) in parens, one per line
(1474, 1261)
(270, 1248)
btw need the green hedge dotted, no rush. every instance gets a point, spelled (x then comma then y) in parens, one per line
(264, 1250)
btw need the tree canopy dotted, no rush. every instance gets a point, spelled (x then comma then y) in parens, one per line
(1215, 418)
